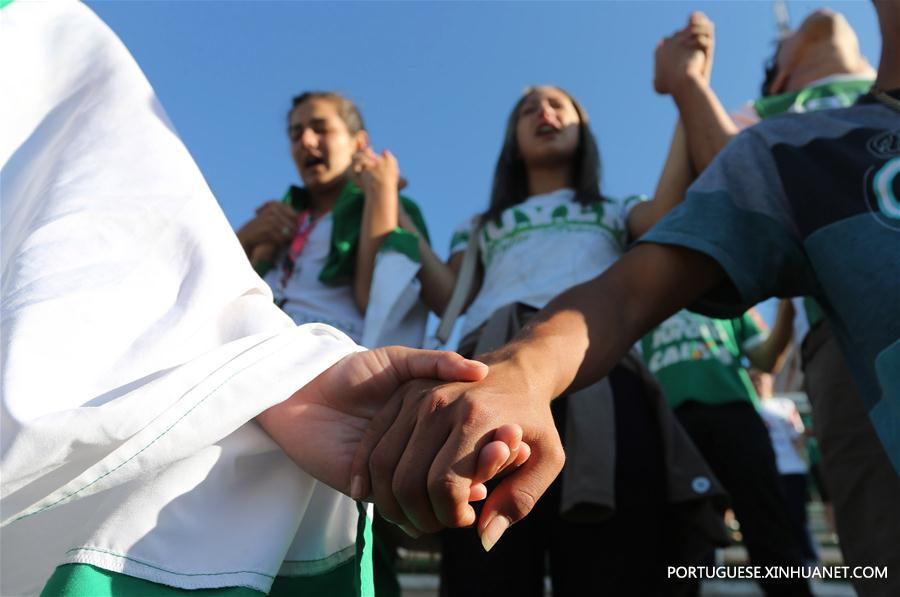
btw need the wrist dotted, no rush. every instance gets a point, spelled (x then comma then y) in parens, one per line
(526, 362)
(687, 83)
(381, 189)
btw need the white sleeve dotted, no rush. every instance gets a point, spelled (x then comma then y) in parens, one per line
(130, 314)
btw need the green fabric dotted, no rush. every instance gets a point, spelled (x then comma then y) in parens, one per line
(83, 580)
(364, 577)
(833, 94)
(347, 221)
(699, 358)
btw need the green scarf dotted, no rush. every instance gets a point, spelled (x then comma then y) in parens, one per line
(346, 216)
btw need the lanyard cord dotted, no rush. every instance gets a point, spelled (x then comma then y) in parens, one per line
(306, 223)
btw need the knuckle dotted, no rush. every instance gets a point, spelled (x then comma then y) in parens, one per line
(475, 412)
(443, 485)
(521, 503)
(381, 466)
(405, 487)
(435, 401)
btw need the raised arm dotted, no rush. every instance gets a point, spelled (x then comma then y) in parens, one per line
(689, 50)
(379, 177)
(708, 126)
(674, 181)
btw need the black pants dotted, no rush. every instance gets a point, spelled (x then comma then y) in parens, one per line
(796, 488)
(620, 556)
(735, 442)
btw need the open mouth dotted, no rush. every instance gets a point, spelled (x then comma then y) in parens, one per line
(313, 161)
(546, 130)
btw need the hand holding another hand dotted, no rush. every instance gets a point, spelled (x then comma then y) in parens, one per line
(434, 442)
(687, 54)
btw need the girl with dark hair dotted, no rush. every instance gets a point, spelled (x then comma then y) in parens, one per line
(548, 228)
(317, 247)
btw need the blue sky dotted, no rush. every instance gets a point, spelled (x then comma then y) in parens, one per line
(435, 81)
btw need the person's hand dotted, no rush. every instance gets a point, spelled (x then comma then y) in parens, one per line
(274, 224)
(374, 172)
(687, 54)
(321, 425)
(419, 460)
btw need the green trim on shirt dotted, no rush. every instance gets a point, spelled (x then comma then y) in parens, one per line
(353, 577)
(831, 94)
(84, 580)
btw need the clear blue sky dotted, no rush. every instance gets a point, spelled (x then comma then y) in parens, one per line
(435, 81)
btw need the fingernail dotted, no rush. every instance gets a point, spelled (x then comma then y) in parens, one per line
(493, 531)
(412, 533)
(476, 364)
(356, 487)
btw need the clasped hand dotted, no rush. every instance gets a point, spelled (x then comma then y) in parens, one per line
(419, 433)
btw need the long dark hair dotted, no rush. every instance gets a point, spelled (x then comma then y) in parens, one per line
(770, 70)
(510, 175)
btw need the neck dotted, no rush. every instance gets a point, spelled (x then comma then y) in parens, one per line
(549, 179)
(323, 198)
(889, 67)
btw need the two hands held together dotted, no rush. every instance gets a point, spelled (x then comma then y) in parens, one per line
(420, 432)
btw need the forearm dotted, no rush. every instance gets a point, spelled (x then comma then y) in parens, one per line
(438, 279)
(580, 336)
(676, 177)
(769, 357)
(378, 221)
(708, 126)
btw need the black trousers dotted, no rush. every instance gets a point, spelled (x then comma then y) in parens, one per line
(736, 444)
(619, 556)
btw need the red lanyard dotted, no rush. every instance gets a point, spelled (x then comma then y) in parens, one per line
(305, 226)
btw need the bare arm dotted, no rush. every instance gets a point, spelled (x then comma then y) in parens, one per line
(421, 452)
(438, 278)
(709, 127)
(687, 78)
(768, 355)
(591, 326)
(674, 181)
(379, 178)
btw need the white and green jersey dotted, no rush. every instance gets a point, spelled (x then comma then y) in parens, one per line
(836, 91)
(543, 246)
(699, 358)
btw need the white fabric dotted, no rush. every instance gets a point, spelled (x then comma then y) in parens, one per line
(137, 342)
(395, 314)
(785, 426)
(543, 246)
(306, 299)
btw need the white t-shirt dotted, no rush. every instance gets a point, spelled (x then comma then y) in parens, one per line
(783, 421)
(305, 298)
(543, 246)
